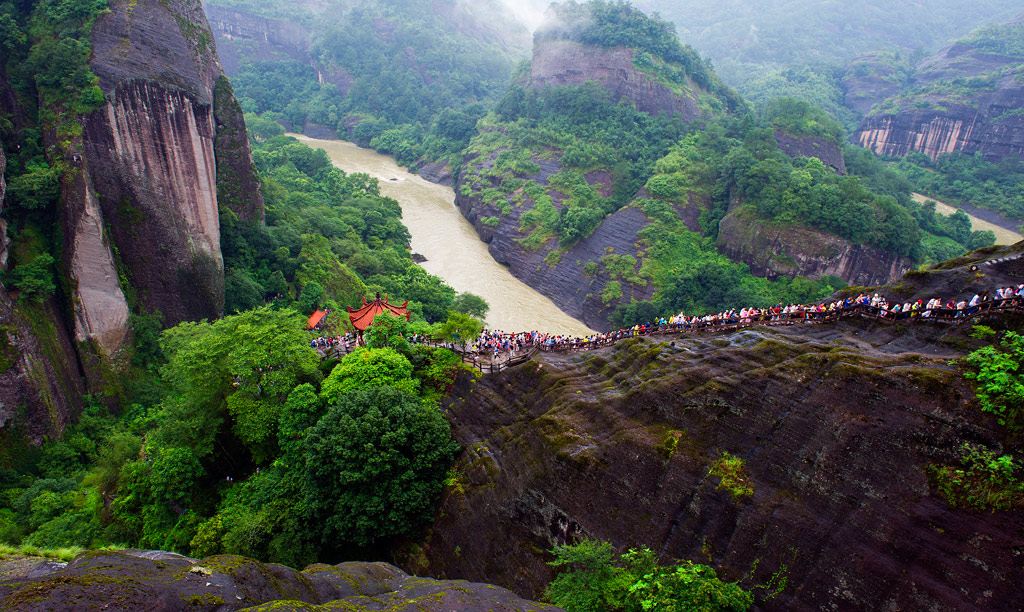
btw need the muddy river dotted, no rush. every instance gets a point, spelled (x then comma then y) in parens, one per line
(453, 250)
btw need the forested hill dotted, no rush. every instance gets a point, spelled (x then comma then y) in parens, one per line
(409, 76)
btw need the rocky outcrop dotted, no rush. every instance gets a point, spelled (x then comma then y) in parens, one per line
(961, 99)
(157, 154)
(869, 79)
(788, 250)
(564, 62)
(835, 425)
(153, 581)
(100, 308)
(238, 185)
(829, 153)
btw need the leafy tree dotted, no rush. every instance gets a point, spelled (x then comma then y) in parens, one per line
(256, 357)
(997, 372)
(459, 328)
(35, 279)
(375, 464)
(470, 304)
(388, 331)
(365, 368)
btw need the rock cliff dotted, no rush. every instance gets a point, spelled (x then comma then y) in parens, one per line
(41, 382)
(835, 426)
(564, 62)
(154, 581)
(167, 140)
(965, 98)
(788, 250)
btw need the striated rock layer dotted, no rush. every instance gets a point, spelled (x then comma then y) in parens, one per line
(788, 250)
(835, 424)
(945, 111)
(156, 155)
(154, 581)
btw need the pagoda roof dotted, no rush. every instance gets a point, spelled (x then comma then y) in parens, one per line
(315, 318)
(363, 317)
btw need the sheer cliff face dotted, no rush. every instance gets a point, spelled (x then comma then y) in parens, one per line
(563, 62)
(835, 425)
(937, 118)
(152, 157)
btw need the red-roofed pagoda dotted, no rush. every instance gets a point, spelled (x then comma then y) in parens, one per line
(363, 317)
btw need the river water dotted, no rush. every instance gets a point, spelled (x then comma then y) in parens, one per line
(451, 245)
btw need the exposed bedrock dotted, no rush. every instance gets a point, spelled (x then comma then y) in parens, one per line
(264, 39)
(563, 62)
(154, 581)
(835, 424)
(787, 250)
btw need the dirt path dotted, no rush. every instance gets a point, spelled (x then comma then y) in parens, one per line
(1003, 235)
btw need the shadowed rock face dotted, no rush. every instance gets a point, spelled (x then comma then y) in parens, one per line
(41, 384)
(835, 424)
(153, 581)
(266, 39)
(773, 250)
(562, 62)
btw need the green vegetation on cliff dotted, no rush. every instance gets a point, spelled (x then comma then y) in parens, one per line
(594, 580)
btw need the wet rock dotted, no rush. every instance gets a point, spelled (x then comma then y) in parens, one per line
(150, 581)
(563, 62)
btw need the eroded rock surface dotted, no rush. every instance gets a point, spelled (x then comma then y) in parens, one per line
(828, 152)
(835, 424)
(152, 581)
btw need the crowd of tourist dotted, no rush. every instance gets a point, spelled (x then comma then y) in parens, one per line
(495, 343)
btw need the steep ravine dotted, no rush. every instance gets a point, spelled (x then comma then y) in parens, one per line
(835, 425)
